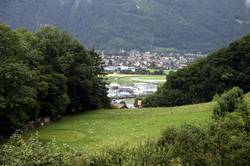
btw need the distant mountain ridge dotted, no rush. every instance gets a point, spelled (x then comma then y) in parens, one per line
(190, 25)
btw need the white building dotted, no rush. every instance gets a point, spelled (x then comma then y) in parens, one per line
(137, 89)
(125, 91)
(144, 88)
(111, 68)
(127, 68)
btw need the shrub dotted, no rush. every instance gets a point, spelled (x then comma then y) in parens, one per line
(185, 145)
(147, 153)
(229, 101)
(33, 152)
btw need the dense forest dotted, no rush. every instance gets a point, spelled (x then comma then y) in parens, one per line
(209, 76)
(186, 25)
(47, 73)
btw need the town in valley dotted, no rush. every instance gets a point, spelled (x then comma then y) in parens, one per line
(134, 66)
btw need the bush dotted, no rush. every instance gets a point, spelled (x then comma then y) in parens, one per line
(33, 152)
(185, 145)
(147, 153)
(229, 101)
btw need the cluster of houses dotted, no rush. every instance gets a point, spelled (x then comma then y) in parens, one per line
(136, 61)
(149, 60)
(128, 91)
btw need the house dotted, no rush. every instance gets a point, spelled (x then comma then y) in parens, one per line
(121, 68)
(111, 68)
(144, 88)
(116, 101)
(119, 106)
(113, 89)
(125, 91)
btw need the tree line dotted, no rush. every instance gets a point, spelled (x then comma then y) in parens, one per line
(47, 73)
(208, 76)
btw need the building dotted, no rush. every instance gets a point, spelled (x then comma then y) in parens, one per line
(122, 68)
(125, 91)
(111, 68)
(137, 89)
(141, 89)
(118, 68)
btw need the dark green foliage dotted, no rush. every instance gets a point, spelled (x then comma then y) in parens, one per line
(192, 25)
(145, 154)
(200, 81)
(159, 72)
(46, 74)
(230, 101)
(18, 96)
(85, 89)
(56, 100)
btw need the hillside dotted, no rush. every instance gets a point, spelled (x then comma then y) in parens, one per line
(92, 131)
(95, 130)
(200, 81)
(191, 25)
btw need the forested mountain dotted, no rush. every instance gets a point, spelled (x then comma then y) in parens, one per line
(194, 25)
(200, 81)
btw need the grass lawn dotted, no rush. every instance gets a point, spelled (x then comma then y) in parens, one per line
(165, 71)
(152, 78)
(130, 78)
(94, 130)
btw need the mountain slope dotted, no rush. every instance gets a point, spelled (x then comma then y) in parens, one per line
(195, 25)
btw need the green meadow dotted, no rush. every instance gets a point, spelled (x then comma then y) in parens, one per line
(165, 71)
(133, 78)
(93, 131)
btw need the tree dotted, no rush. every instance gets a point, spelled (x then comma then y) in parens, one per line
(11, 44)
(46, 74)
(55, 102)
(18, 96)
(87, 88)
(82, 68)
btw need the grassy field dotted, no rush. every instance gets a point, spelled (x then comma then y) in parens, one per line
(165, 71)
(93, 131)
(133, 78)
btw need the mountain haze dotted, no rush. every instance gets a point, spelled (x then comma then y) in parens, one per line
(186, 25)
